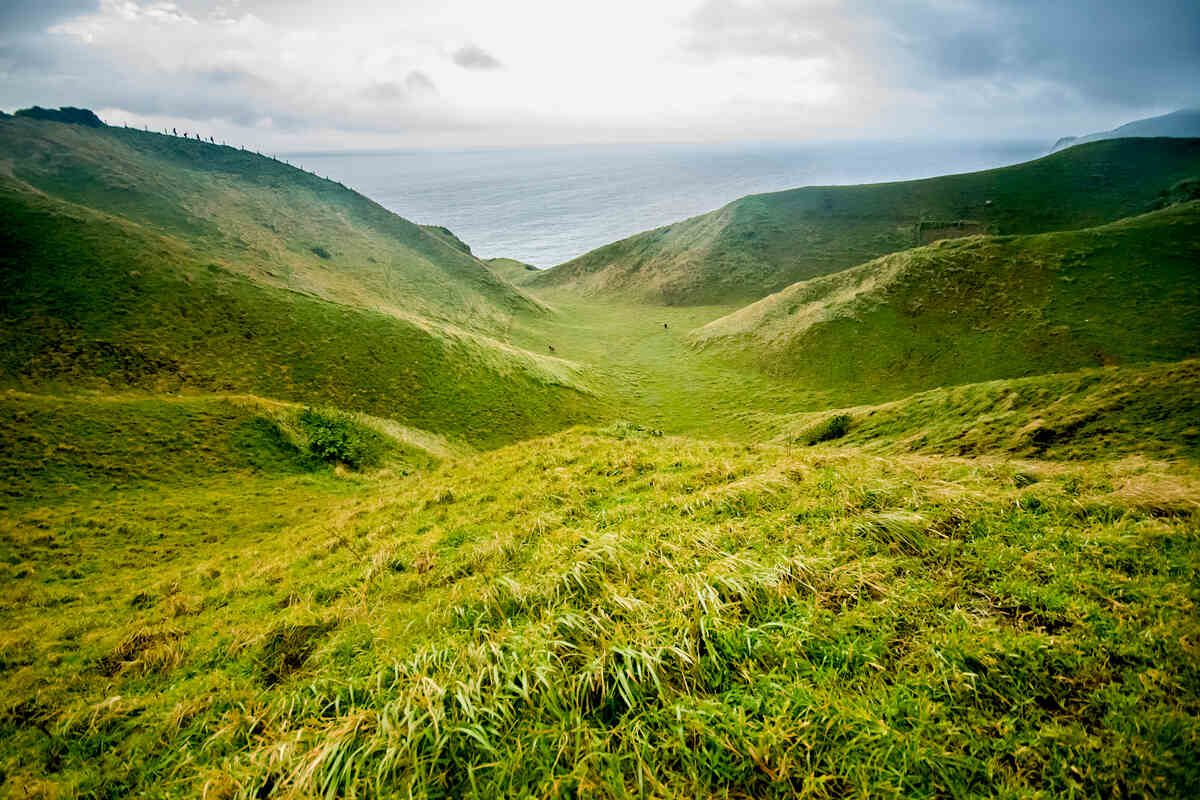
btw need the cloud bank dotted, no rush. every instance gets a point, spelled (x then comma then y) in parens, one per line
(296, 73)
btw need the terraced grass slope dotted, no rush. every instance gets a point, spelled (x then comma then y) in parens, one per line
(145, 289)
(763, 243)
(607, 613)
(983, 307)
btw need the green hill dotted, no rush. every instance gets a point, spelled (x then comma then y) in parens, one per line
(300, 500)
(274, 224)
(132, 260)
(518, 273)
(983, 307)
(762, 243)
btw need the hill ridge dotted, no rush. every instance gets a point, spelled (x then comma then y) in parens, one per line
(761, 243)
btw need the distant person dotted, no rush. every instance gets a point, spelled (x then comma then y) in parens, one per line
(551, 347)
(664, 326)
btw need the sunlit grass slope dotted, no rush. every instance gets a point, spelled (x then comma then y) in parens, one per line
(762, 243)
(270, 222)
(979, 308)
(608, 613)
(1150, 410)
(90, 301)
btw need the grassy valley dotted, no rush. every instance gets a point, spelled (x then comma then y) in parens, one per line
(302, 500)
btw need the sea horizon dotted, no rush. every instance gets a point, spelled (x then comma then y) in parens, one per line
(545, 205)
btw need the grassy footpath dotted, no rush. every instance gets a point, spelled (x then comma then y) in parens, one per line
(611, 613)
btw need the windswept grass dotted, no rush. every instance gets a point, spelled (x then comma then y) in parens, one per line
(614, 616)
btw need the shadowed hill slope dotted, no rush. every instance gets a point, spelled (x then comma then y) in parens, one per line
(275, 224)
(981, 308)
(762, 243)
(145, 289)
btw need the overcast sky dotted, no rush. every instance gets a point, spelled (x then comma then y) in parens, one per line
(295, 74)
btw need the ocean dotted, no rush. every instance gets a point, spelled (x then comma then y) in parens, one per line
(547, 205)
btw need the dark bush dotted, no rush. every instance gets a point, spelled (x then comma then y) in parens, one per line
(337, 438)
(68, 114)
(833, 428)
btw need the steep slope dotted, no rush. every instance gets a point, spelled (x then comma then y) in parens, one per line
(762, 243)
(1184, 123)
(130, 293)
(983, 307)
(276, 225)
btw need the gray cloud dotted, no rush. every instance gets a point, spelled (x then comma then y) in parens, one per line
(418, 82)
(1121, 53)
(23, 16)
(475, 57)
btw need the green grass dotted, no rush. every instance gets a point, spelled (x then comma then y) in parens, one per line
(612, 615)
(762, 243)
(1153, 411)
(978, 308)
(268, 529)
(87, 300)
(271, 223)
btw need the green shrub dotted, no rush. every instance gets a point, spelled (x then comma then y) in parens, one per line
(337, 438)
(833, 428)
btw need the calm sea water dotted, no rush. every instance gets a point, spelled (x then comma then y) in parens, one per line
(548, 205)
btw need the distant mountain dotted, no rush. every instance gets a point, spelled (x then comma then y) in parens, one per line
(762, 243)
(981, 308)
(1184, 123)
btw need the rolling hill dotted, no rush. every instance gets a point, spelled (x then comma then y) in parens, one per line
(134, 260)
(295, 500)
(762, 243)
(983, 307)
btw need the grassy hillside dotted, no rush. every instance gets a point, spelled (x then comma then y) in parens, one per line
(1152, 410)
(271, 223)
(373, 522)
(89, 300)
(609, 613)
(762, 243)
(518, 273)
(978, 308)
(129, 293)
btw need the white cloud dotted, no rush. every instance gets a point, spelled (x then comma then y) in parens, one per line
(373, 73)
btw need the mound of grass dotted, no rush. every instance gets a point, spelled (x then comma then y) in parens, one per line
(829, 429)
(763, 243)
(981, 308)
(1150, 410)
(613, 617)
(52, 446)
